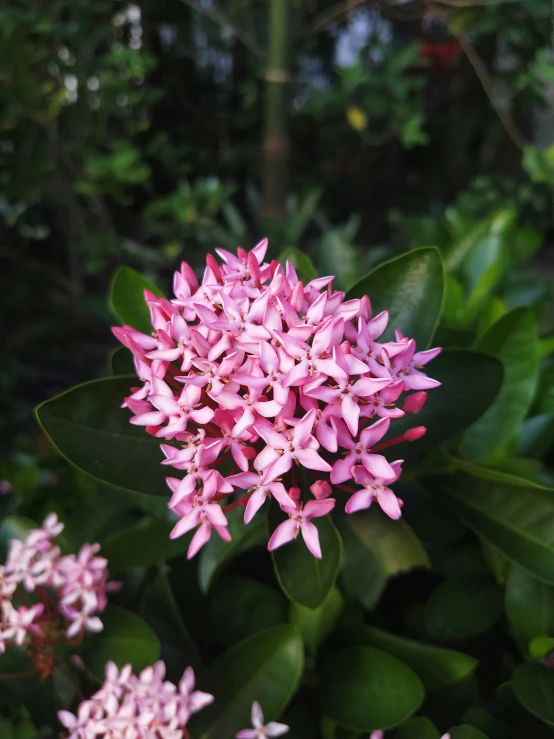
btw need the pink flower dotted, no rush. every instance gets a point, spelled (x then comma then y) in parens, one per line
(252, 367)
(361, 452)
(297, 445)
(300, 521)
(261, 731)
(136, 706)
(77, 587)
(375, 488)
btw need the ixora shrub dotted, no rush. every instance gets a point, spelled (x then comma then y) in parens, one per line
(356, 536)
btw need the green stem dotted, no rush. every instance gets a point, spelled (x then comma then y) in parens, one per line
(276, 141)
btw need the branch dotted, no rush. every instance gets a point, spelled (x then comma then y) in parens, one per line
(333, 15)
(224, 22)
(473, 3)
(337, 12)
(486, 81)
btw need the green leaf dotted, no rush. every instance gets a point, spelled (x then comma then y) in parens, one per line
(536, 436)
(160, 611)
(512, 340)
(88, 427)
(470, 383)
(127, 301)
(483, 721)
(339, 257)
(436, 667)
(365, 689)
(374, 549)
(540, 647)
(266, 667)
(316, 624)
(411, 288)
(240, 607)
(460, 608)
(301, 262)
(121, 362)
(14, 527)
(418, 727)
(305, 579)
(533, 686)
(466, 732)
(496, 474)
(217, 554)
(143, 545)
(125, 639)
(529, 606)
(458, 252)
(519, 521)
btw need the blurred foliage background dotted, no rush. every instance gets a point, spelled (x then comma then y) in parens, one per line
(347, 131)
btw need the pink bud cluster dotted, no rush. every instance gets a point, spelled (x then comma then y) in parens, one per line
(253, 366)
(44, 595)
(128, 706)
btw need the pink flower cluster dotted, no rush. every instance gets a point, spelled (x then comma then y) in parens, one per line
(254, 367)
(128, 706)
(42, 590)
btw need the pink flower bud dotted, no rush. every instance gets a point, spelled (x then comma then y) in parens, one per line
(415, 402)
(321, 489)
(295, 493)
(416, 433)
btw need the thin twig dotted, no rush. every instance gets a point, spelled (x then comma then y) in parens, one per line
(473, 3)
(333, 15)
(336, 13)
(486, 81)
(224, 22)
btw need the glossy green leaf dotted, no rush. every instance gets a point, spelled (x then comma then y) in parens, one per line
(125, 639)
(127, 301)
(266, 667)
(465, 731)
(512, 340)
(160, 611)
(121, 362)
(529, 606)
(339, 257)
(473, 238)
(533, 686)
(366, 689)
(436, 667)
(305, 579)
(411, 288)
(217, 554)
(460, 608)
(536, 436)
(470, 383)
(374, 549)
(301, 262)
(491, 726)
(497, 474)
(490, 313)
(87, 426)
(418, 727)
(240, 607)
(519, 521)
(454, 306)
(315, 624)
(143, 545)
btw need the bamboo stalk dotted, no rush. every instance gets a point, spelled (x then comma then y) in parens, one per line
(275, 149)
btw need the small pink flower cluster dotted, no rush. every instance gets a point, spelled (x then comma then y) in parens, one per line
(253, 365)
(137, 707)
(43, 591)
